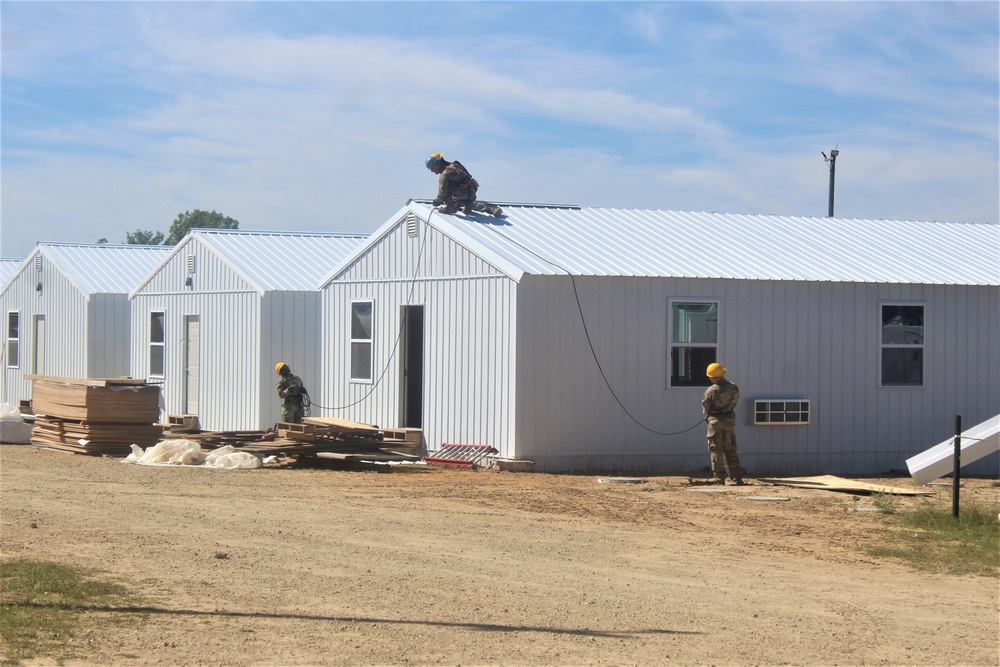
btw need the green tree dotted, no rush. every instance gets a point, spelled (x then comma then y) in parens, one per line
(198, 220)
(143, 237)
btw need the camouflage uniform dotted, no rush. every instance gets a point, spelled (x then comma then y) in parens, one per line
(290, 391)
(719, 403)
(457, 189)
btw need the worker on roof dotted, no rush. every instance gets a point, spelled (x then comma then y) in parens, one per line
(291, 392)
(719, 406)
(457, 188)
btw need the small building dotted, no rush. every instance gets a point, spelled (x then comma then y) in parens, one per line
(66, 313)
(579, 337)
(213, 318)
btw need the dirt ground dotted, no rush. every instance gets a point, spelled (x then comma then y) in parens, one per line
(432, 566)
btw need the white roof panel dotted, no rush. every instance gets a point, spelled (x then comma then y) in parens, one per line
(281, 261)
(103, 268)
(539, 239)
(8, 267)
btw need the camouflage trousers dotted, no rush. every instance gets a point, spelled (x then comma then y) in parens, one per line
(465, 199)
(467, 206)
(722, 448)
(291, 412)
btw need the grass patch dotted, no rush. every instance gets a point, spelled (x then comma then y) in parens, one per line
(42, 605)
(930, 539)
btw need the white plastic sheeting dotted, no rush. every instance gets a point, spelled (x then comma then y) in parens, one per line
(13, 428)
(189, 453)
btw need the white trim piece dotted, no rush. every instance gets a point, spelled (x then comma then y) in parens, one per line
(981, 440)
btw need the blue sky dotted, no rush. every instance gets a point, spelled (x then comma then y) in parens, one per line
(306, 116)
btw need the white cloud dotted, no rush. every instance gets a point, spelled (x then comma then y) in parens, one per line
(330, 131)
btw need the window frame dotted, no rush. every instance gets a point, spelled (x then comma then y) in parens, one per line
(921, 346)
(161, 345)
(355, 342)
(699, 381)
(12, 361)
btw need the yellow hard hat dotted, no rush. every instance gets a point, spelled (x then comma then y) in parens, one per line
(434, 159)
(715, 370)
(277, 367)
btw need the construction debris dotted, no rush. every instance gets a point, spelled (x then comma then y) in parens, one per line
(189, 453)
(461, 456)
(326, 437)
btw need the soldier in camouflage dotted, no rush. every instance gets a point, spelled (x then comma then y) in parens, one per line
(457, 188)
(290, 391)
(719, 404)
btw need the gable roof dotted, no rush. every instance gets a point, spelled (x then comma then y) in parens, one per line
(99, 268)
(8, 267)
(553, 240)
(273, 261)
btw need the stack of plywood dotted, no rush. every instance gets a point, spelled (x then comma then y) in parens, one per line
(95, 415)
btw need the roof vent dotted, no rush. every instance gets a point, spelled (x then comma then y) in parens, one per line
(190, 263)
(411, 224)
(38, 262)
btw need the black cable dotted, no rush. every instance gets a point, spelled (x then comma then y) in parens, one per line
(586, 332)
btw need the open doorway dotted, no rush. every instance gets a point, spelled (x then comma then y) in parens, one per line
(412, 367)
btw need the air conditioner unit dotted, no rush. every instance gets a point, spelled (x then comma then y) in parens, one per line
(780, 411)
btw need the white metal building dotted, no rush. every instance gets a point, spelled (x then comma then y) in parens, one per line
(578, 337)
(66, 312)
(215, 316)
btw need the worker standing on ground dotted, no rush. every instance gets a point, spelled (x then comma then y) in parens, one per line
(457, 188)
(719, 404)
(290, 390)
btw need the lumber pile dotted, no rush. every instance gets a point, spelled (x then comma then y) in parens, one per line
(343, 435)
(95, 415)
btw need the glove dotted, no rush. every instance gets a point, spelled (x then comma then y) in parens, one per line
(437, 202)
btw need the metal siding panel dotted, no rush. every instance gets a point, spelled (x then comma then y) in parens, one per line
(64, 308)
(462, 341)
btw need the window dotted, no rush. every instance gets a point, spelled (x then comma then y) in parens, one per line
(156, 343)
(361, 340)
(13, 339)
(788, 411)
(902, 345)
(694, 338)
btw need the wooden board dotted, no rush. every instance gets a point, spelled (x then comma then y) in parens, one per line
(340, 424)
(834, 483)
(93, 438)
(88, 382)
(94, 403)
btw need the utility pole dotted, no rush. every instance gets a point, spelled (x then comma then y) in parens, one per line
(833, 170)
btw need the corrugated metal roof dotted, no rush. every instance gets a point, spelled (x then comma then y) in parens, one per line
(549, 240)
(8, 267)
(280, 261)
(102, 268)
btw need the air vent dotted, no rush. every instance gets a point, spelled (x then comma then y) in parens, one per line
(38, 262)
(190, 263)
(411, 225)
(781, 411)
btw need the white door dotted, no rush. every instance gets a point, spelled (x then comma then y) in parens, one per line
(38, 360)
(191, 364)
